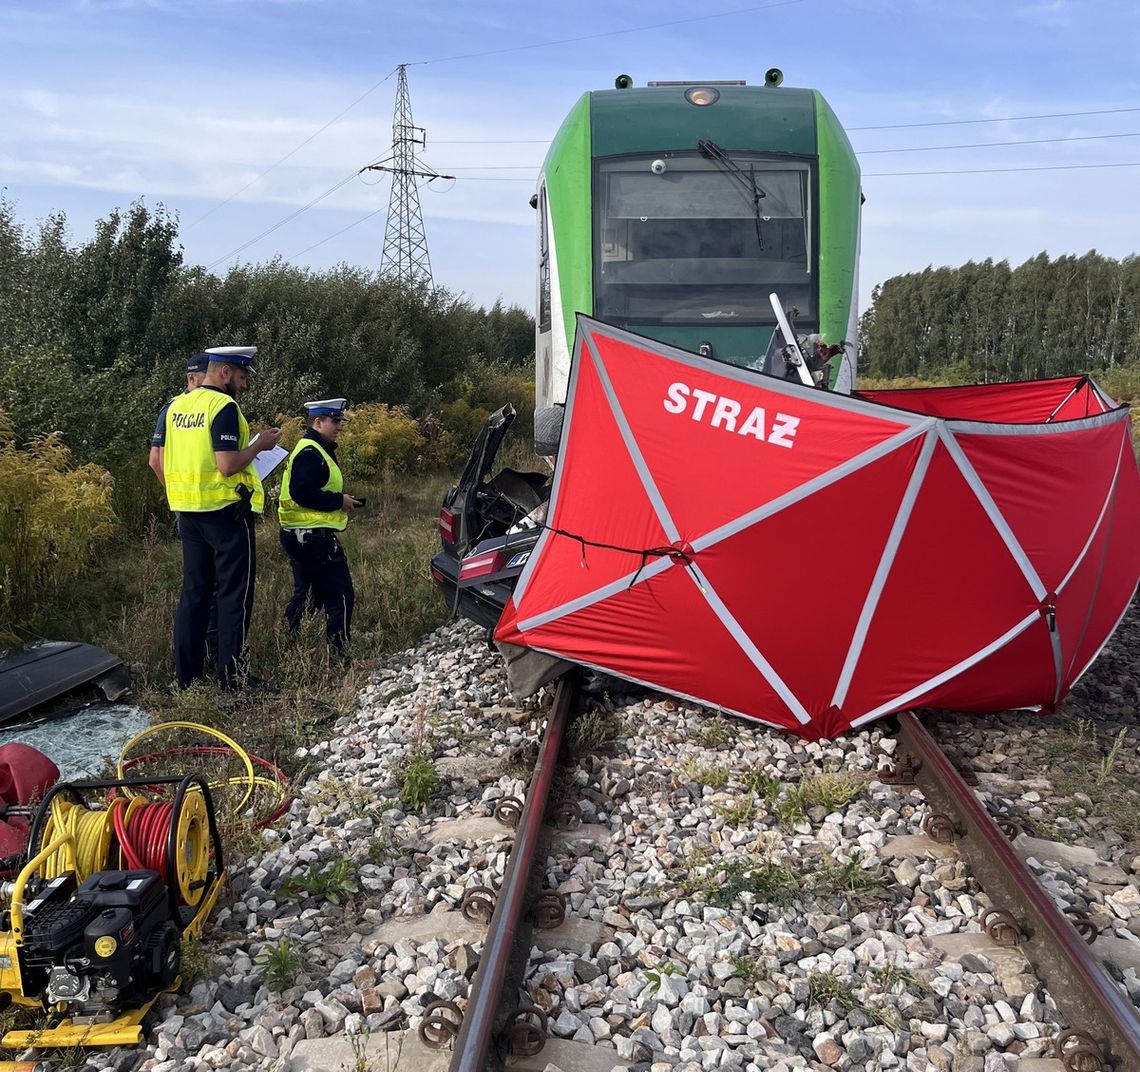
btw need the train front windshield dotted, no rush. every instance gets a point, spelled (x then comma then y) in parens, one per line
(680, 239)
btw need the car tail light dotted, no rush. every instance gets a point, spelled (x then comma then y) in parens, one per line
(448, 527)
(482, 564)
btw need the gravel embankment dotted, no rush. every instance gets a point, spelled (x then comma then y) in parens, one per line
(756, 921)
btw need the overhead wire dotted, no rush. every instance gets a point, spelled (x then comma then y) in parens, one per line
(337, 234)
(867, 152)
(997, 119)
(999, 171)
(993, 144)
(474, 55)
(281, 223)
(608, 33)
(296, 149)
(882, 126)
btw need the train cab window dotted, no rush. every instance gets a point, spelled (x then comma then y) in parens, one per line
(680, 240)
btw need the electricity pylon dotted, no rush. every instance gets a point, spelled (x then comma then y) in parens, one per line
(405, 256)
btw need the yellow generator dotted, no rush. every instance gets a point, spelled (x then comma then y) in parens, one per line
(94, 922)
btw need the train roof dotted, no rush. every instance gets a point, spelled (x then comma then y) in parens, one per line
(744, 117)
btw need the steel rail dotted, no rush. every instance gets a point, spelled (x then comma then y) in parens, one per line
(1083, 990)
(479, 1046)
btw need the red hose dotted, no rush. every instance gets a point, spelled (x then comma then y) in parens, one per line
(145, 838)
(217, 750)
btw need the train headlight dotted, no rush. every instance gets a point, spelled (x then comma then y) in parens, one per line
(702, 95)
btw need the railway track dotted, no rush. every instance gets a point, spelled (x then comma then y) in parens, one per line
(1105, 1031)
(1024, 915)
(717, 918)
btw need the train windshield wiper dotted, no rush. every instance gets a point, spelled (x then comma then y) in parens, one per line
(747, 179)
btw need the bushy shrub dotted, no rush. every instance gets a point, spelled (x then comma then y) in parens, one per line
(292, 428)
(378, 437)
(1122, 382)
(52, 517)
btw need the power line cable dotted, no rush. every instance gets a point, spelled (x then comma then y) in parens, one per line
(514, 141)
(336, 234)
(886, 126)
(494, 52)
(1002, 119)
(998, 171)
(608, 33)
(866, 152)
(293, 151)
(281, 223)
(989, 144)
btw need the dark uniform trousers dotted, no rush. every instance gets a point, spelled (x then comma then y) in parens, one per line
(219, 557)
(212, 628)
(320, 579)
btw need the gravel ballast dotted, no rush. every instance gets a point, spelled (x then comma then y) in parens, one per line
(755, 914)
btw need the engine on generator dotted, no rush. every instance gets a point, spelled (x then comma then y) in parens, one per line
(99, 947)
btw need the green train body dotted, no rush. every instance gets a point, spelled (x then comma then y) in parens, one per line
(676, 220)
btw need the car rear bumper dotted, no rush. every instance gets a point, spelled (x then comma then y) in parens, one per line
(482, 603)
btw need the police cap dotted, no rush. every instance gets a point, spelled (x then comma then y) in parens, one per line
(326, 407)
(234, 355)
(198, 363)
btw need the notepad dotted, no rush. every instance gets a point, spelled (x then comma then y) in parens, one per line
(268, 460)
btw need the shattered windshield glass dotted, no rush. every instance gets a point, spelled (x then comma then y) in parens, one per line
(679, 240)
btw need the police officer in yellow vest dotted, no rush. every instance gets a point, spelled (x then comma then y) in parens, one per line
(212, 485)
(313, 509)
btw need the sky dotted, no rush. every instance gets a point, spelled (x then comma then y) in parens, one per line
(237, 114)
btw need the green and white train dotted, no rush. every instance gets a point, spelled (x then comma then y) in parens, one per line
(675, 210)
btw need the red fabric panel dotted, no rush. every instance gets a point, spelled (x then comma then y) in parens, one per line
(953, 589)
(1050, 489)
(1028, 402)
(1084, 403)
(661, 631)
(709, 475)
(795, 582)
(797, 589)
(1076, 601)
(1121, 566)
(1020, 674)
(13, 838)
(600, 497)
(25, 775)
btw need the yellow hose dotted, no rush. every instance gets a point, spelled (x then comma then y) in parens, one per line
(16, 914)
(250, 778)
(88, 843)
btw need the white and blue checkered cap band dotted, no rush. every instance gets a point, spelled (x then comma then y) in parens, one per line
(326, 407)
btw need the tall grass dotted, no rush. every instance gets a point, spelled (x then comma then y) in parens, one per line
(126, 603)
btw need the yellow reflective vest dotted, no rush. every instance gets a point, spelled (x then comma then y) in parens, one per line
(293, 516)
(193, 481)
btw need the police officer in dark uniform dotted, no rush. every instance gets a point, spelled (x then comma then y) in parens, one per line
(195, 374)
(212, 485)
(312, 510)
